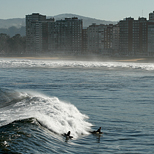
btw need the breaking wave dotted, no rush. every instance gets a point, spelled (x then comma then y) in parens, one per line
(24, 63)
(52, 113)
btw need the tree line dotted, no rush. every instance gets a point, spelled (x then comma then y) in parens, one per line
(11, 31)
(12, 45)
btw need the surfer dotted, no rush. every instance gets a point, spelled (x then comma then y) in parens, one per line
(68, 135)
(97, 132)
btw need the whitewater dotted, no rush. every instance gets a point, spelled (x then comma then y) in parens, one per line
(57, 116)
(13, 63)
(41, 99)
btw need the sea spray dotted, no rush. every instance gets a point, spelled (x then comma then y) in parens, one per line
(25, 63)
(57, 116)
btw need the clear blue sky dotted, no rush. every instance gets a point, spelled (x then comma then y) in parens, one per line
(112, 10)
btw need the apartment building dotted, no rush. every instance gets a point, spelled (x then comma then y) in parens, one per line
(93, 38)
(44, 35)
(129, 37)
(151, 34)
(151, 16)
(65, 35)
(125, 34)
(133, 36)
(151, 38)
(96, 38)
(100, 39)
(84, 41)
(34, 32)
(115, 39)
(140, 37)
(108, 41)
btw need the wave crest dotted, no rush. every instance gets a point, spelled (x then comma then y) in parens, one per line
(58, 116)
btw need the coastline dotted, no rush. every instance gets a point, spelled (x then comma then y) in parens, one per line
(78, 58)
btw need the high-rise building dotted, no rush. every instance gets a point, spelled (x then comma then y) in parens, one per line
(49, 35)
(115, 39)
(151, 34)
(133, 36)
(96, 38)
(65, 35)
(93, 38)
(100, 39)
(151, 16)
(150, 38)
(128, 37)
(125, 34)
(34, 32)
(108, 42)
(84, 41)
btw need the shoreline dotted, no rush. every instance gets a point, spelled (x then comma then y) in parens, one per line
(116, 59)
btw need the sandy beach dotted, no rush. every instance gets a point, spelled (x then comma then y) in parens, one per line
(133, 60)
(119, 59)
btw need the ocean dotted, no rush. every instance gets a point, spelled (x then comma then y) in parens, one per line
(41, 99)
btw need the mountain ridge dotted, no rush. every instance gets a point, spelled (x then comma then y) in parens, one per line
(16, 22)
(17, 25)
(19, 22)
(86, 20)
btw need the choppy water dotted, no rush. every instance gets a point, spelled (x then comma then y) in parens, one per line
(42, 99)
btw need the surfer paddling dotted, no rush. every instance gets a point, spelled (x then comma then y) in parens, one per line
(68, 136)
(97, 132)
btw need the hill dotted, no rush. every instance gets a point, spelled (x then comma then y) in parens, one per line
(86, 20)
(15, 22)
(17, 25)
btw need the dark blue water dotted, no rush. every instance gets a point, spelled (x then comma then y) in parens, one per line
(42, 99)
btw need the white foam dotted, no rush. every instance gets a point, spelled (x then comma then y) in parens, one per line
(56, 115)
(21, 63)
